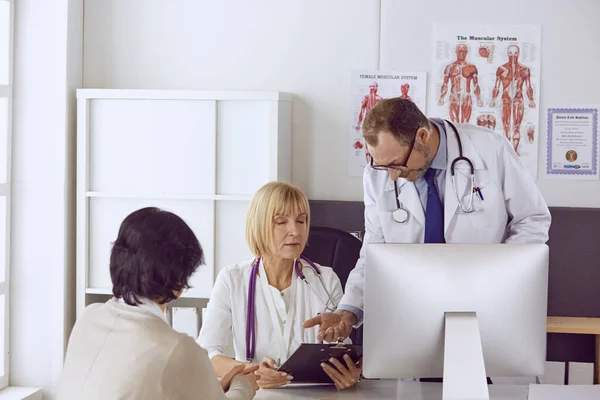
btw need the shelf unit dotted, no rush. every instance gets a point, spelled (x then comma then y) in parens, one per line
(200, 154)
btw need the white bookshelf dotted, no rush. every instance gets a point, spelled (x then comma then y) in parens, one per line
(200, 154)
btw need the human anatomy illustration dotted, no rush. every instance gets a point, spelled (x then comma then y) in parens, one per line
(487, 121)
(530, 132)
(489, 75)
(460, 75)
(511, 78)
(367, 89)
(404, 91)
(368, 102)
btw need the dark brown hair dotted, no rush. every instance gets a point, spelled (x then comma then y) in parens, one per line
(153, 257)
(400, 117)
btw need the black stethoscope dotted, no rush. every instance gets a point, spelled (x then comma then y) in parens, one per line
(251, 312)
(401, 214)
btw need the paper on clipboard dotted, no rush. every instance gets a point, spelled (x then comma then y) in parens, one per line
(305, 364)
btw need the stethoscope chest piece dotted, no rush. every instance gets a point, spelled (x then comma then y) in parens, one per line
(400, 215)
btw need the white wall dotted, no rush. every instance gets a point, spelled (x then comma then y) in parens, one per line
(570, 58)
(302, 46)
(309, 47)
(48, 60)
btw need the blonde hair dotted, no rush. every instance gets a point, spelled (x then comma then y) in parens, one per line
(274, 198)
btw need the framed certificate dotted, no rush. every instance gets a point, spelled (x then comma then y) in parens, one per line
(572, 148)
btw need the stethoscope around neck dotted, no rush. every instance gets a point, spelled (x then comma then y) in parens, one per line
(251, 312)
(401, 214)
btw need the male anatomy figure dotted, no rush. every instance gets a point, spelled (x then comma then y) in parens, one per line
(513, 76)
(368, 102)
(404, 89)
(460, 74)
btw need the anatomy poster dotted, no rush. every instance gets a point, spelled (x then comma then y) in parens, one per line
(490, 76)
(367, 89)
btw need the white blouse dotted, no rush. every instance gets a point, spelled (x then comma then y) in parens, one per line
(118, 351)
(278, 332)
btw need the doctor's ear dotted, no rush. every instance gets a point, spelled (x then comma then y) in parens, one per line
(422, 136)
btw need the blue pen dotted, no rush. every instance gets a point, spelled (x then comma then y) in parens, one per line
(479, 193)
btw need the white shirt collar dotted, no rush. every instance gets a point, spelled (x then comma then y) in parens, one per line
(147, 306)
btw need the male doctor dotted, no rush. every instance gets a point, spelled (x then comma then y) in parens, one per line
(410, 197)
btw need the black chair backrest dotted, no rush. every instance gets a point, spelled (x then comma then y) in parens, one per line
(333, 248)
(337, 249)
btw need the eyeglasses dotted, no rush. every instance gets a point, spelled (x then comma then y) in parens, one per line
(399, 167)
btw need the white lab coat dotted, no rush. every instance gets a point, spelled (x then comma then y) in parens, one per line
(227, 310)
(512, 211)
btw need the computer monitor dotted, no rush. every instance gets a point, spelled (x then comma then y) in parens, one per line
(447, 310)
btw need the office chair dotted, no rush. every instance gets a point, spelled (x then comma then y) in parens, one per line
(339, 250)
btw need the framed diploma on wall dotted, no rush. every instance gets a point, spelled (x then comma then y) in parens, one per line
(572, 147)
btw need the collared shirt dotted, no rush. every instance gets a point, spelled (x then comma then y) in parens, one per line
(440, 163)
(147, 306)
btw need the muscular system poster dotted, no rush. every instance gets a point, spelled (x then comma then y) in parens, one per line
(368, 88)
(490, 76)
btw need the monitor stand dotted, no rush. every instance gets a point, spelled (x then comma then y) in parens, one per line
(464, 369)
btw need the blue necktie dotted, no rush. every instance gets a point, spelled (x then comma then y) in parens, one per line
(434, 214)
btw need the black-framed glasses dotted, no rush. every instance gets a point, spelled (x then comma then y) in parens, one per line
(399, 167)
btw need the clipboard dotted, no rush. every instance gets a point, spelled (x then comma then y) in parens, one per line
(305, 364)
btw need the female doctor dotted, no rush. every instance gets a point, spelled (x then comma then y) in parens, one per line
(265, 301)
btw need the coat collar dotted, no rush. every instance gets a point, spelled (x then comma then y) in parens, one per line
(146, 307)
(408, 195)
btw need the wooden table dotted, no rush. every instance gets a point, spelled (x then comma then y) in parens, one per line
(581, 326)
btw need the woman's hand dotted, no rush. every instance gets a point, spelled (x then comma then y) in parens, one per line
(269, 376)
(344, 376)
(248, 372)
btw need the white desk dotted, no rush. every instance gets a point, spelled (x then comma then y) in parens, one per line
(384, 390)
